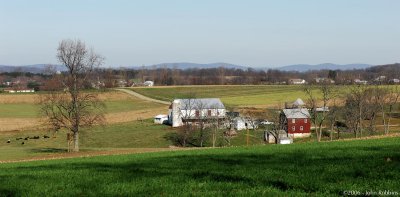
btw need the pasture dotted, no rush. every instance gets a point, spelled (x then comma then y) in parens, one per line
(113, 137)
(317, 169)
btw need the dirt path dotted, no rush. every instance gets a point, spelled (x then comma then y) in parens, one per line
(95, 153)
(133, 93)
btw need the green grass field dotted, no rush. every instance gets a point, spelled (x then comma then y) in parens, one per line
(317, 169)
(134, 134)
(246, 95)
(18, 110)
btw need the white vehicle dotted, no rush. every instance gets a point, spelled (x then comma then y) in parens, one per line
(266, 122)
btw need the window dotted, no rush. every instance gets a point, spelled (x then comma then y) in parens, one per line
(209, 112)
(301, 128)
(305, 120)
(293, 120)
(293, 128)
(197, 113)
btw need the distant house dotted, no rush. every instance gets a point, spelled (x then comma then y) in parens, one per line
(358, 81)
(161, 119)
(380, 78)
(324, 81)
(148, 83)
(296, 122)
(192, 110)
(18, 90)
(394, 81)
(297, 81)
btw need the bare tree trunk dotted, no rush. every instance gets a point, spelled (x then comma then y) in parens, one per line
(76, 142)
(360, 119)
(387, 129)
(320, 132)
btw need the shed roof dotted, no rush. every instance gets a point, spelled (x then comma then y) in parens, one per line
(296, 113)
(203, 103)
(298, 102)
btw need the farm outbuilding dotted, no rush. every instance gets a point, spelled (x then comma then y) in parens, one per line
(148, 83)
(19, 90)
(161, 119)
(296, 122)
(241, 123)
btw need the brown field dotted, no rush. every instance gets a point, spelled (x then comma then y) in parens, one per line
(16, 124)
(19, 124)
(18, 98)
(33, 98)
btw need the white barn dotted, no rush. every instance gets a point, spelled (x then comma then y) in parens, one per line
(182, 110)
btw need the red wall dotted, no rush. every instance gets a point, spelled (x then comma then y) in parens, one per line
(298, 123)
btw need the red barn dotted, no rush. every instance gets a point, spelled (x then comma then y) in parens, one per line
(296, 122)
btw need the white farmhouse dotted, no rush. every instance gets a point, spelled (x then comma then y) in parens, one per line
(191, 110)
(297, 81)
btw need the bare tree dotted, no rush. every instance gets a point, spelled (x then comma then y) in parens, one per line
(274, 128)
(393, 98)
(332, 117)
(74, 109)
(187, 113)
(318, 117)
(355, 108)
(202, 117)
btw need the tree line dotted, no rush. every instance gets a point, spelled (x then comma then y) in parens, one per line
(165, 76)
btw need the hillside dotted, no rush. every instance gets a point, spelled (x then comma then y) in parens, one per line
(35, 68)
(317, 169)
(188, 65)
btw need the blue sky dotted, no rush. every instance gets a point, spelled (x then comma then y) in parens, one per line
(246, 32)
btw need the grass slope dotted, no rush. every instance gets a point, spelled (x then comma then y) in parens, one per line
(322, 169)
(122, 135)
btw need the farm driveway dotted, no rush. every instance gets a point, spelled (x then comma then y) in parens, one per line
(133, 93)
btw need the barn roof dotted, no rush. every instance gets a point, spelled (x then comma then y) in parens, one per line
(296, 113)
(203, 103)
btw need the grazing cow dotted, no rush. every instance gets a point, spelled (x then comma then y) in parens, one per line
(23, 143)
(8, 141)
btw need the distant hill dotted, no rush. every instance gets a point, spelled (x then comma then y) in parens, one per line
(39, 68)
(35, 68)
(187, 65)
(327, 66)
